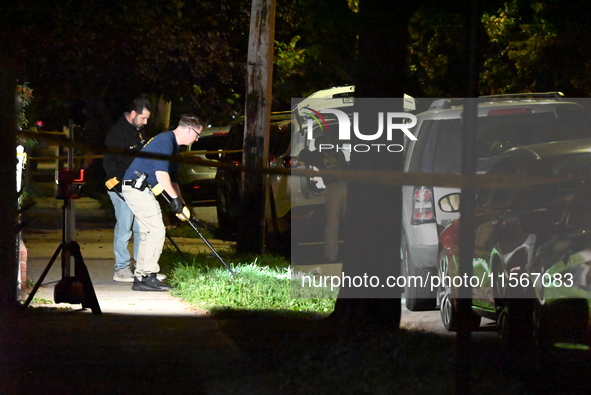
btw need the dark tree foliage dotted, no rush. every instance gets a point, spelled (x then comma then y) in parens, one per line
(192, 52)
(438, 59)
(327, 32)
(565, 61)
(119, 49)
(523, 46)
(437, 55)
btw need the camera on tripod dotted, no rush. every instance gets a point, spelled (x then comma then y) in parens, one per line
(69, 183)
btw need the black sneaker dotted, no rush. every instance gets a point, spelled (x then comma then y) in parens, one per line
(149, 283)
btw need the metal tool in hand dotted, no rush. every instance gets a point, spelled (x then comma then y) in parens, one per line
(192, 224)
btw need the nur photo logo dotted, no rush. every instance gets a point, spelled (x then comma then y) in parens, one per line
(347, 125)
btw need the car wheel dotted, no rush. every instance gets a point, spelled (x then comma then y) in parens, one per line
(447, 303)
(449, 314)
(417, 298)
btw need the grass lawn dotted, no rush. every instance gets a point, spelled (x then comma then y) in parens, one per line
(299, 351)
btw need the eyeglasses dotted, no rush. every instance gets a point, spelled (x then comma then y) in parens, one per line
(193, 130)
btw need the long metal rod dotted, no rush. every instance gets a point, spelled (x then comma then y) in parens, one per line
(196, 229)
(192, 224)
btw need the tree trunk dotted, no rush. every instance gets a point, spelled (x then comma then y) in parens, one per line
(373, 226)
(160, 119)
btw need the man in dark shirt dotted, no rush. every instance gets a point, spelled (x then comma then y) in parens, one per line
(124, 135)
(159, 175)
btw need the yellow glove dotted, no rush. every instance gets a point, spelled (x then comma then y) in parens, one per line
(185, 215)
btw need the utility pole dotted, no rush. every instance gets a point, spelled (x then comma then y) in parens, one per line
(257, 116)
(470, 119)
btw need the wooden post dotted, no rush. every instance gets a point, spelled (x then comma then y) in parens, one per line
(251, 229)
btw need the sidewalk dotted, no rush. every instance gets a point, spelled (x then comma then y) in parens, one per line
(114, 297)
(142, 343)
(96, 246)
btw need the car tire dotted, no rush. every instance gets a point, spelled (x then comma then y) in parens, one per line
(447, 303)
(417, 298)
(449, 313)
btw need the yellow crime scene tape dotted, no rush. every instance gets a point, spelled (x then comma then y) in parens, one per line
(468, 181)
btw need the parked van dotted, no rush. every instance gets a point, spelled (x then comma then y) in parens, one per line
(504, 122)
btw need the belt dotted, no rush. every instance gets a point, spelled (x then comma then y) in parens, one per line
(128, 182)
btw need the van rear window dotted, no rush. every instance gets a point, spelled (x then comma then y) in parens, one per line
(439, 145)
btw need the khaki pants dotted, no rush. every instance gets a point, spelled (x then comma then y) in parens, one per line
(146, 210)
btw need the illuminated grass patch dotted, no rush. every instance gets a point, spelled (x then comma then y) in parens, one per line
(260, 284)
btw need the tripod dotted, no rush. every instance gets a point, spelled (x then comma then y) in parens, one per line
(74, 290)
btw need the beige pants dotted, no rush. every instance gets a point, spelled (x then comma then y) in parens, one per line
(146, 210)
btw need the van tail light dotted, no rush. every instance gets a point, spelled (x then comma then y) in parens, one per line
(291, 161)
(510, 111)
(423, 209)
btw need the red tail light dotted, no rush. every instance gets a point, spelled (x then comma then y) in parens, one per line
(509, 111)
(423, 209)
(291, 161)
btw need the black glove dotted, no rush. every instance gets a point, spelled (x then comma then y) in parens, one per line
(177, 205)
